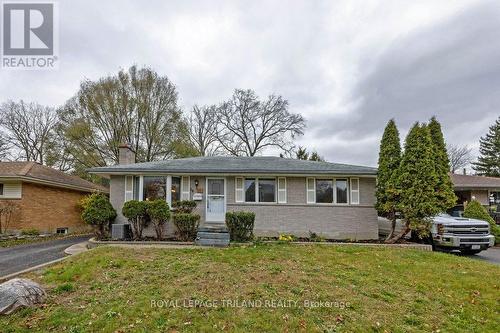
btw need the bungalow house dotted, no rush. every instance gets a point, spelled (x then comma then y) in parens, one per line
(484, 189)
(46, 199)
(288, 196)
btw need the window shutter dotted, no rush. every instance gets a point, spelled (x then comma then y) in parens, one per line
(129, 188)
(311, 190)
(238, 190)
(185, 188)
(355, 191)
(281, 190)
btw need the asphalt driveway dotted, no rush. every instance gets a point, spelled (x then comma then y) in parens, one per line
(17, 258)
(491, 255)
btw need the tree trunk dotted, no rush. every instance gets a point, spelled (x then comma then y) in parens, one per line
(393, 218)
(396, 238)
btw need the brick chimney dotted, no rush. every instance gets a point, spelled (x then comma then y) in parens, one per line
(126, 154)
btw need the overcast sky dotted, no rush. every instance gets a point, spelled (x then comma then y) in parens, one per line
(346, 66)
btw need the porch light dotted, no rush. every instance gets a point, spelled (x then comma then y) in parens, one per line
(196, 182)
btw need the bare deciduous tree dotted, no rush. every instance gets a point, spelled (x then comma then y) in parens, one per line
(203, 130)
(247, 125)
(4, 147)
(7, 209)
(28, 129)
(459, 157)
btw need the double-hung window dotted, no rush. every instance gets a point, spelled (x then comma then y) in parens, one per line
(331, 191)
(341, 196)
(259, 189)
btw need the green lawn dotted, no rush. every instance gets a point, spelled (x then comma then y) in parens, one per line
(112, 289)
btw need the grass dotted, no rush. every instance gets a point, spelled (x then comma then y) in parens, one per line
(112, 289)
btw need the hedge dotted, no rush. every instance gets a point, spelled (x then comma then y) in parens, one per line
(240, 225)
(187, 225)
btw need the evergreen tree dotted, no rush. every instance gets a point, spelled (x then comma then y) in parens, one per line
(488, 163)
(302, 153)
(444, 190)
(417, 180)
(315, 157)
(387, 175)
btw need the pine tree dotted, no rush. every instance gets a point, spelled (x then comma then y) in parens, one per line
(302, 154)
(315, 157)
(488, 163)
(417, 181)
(387, 175)
(444, 190)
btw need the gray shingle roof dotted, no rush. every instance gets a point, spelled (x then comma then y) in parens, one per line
(238, 165)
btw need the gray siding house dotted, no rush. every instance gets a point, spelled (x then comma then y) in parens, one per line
(288, 196)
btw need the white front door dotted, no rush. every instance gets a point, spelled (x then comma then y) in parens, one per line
(216, 200)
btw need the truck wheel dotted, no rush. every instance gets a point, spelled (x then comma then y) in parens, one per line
(468, 251)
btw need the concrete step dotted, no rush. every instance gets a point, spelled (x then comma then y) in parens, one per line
(215, 235)
(212, 242)
(205, 228)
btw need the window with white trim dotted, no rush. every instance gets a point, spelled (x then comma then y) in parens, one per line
(355, 191)
(238, 189)
(324, 191)
(129, 188)
(250, 189)
(154, 187)
(256, 190)
(340, 191)
(185, 188)
(281, 190)
(1, 189)
(341, 194)
(266, 189)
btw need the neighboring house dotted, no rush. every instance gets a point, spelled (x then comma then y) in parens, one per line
(287, 195)
(46, 199)
(484, 189)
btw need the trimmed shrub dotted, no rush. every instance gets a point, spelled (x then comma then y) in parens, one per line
(159, 213)
(475, 210)
(98, 212)
(135, 212)
(184, 206)
(187, 226)
(240, 225)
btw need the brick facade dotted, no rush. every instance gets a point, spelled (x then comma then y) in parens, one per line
(47, 208)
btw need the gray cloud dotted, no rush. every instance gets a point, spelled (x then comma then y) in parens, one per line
(450, 70)
(346, 67)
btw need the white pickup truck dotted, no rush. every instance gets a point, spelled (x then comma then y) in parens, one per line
(469, 236)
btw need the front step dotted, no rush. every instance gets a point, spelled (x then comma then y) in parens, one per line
(213, 235)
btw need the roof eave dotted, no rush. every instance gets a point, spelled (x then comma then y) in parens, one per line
(53, 183)
(231, 172)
